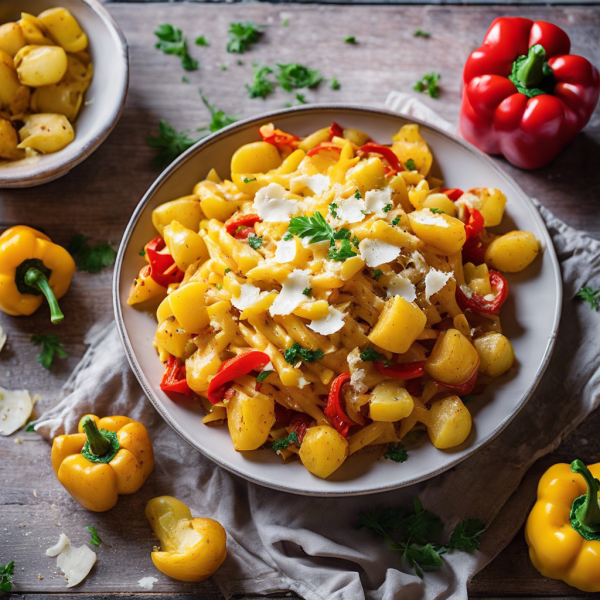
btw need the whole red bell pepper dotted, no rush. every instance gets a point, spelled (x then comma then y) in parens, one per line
(401, 371)
(478, 303)
(524, 95)
(162, 266)
(280, 139)
(338, 418)
(174, 380)
(393, 162)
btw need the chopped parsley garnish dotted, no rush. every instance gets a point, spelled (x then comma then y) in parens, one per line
(171, 143)
(301, 99)
(218, 118)
(296, 352)
(261, 86)
(263, 375)
(294, 76)
(219, 286)
(428, 84)
(227, 270)
(202, 41)
(344, 251)
(30, 426)
(90, 258)
(255, 242)
(350, 39)
(436, 211)
(242, 36)
(396, 221)
(171, 41)
(307, 291)
(376, 274)
(142, 252)
(591, 296)
(249, 179)
(420, 33)
(51, 347)
(282, 444)
(288, 236)
(333, 209)
(315, 228)
(410, 165)
(355, 241)
(370, 354)
(335, 84)
(342, 234)
(396, 452)
(357, 194)
(387, 208)
(6, 573)
(286, 23)
(95, 541)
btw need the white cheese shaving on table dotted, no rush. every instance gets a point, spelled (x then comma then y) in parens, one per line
(329, 324)
(375, 252)
(146, 583)
(434, 281)
(291, 295)
(317, 184)
(75, 563)
(249, 296)
(286, 251)
(271, 205)
(400, 286)
(16, 407)
(377, 200)
(351, 210)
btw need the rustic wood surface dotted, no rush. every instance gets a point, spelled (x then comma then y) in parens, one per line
(97, 198)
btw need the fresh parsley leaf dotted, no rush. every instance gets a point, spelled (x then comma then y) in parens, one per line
(261, 86)
(396, 452)
(357, 194)
(184, 79)
(436, 211)
(396, 221)
(465, 536)
(95, 541)
(263, 375)
(201, 41)
(420, 33)
(387, 208)
(423, 526)
(355, 241)
(255, 242)
(282, 444)
(51, 347)
(239, 62)
(315, 227)
(333, 209)
(249, 179)
(88, 258)
(335, 84)
(342, 234)
(288, 236)
(344, 251)
(172, 144)
(218, 118)
(171, 41)
(223, 67)
(296, 352)
(410, 165)
(428, 84)
(301, 99)
(591, 296)
(307, 291)
(350, 39)
(30, 426)
(286, 23)
(294, 76)
(422, 558)
(370, 354)
(242, 36)
(142, 252)
(6, 573)
(376, 274)
(227, 270)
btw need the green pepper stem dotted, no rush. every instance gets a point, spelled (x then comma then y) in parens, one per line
(35, 278)
(588, 514)
(531, 71)
(98, 443)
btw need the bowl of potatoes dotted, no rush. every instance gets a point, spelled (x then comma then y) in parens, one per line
(64, 73)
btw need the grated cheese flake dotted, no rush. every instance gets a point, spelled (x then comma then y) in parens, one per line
(271, 204)
(317, 184)
(249, 296)
(291, 295)
(377, 200)
(351, 210)
(376, 252)
(286, 251)
(331, 323)
(434, 281)
(400, 286)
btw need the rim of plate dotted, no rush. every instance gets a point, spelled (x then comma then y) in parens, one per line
(331, 107)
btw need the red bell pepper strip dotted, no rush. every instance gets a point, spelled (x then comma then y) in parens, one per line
(473, 251)
(174, 380)
(477, 302)
(232, 225)
(395, 166)
(324, 146)
(334, 410)
(524, 95)
(239, 365)
(401, 371)
(414, 387)
(475, 222)
(335, 131)
(461, 389)
(162, 266)
(300, 422)
(279, 139)
(453, 193)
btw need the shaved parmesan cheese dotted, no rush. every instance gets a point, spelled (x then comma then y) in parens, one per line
(146, 583)
(2, 338)
(357, 381)
(331, 323)
(419, 261)
(317, 184)
(435, 281)
(75, 563)
(249, 296)
(377, 200)
(268, 367)
(271, 204)
(400, 286)
(351, 210)
(291, 295)
(302, 382)
(15, 408)
(286, 251)
(375, 252)
(354, 359)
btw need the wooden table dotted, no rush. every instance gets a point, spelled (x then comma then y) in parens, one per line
(97, 198)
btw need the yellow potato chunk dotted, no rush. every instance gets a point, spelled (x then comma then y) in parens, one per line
(170, 336)
(189, 306)
(46, 132)
(368, 175)
(441, 202)
(512, 252)
(185, 210)
(11, 38)
(323, 450)
(496, 354)
(398, 326)
(314, 139)
(491, 203)
(478, 278)
(257, 157)
(34, 31)
(219, 200)
(185, 246)
(453, 358)
(356, 136)
(408, 143)
(9, 141)
(449, 423)
(390, 401)
(250, 420)
(40, 65)
(14, 97)
(164, 310)
(446, 234)
(64, 29)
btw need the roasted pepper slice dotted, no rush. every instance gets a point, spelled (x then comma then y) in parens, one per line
(453, 193)
(335, 130)
(280, 139)
(401, 371)
(232, 227)
(334, 410)
(174, 380)
(393, 162)
(466, 298)
(163, 268)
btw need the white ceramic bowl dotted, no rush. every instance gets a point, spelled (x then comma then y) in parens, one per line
(530, 317)
(103, 102)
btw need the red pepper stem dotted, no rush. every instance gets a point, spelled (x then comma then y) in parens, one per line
(98, 443)
(531, 71)
(35, 278)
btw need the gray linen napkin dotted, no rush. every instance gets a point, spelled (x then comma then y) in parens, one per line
(278, 541)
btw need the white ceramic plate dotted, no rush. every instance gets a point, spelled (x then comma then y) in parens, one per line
(530, 317)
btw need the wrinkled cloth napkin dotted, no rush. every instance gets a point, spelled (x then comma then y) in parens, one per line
(278, 541)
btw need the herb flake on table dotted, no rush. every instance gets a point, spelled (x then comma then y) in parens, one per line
(295, 76)
(95, 541)
(429, 84)
(335, 84)
(51, 346)
(171, 41)
(202, 41)
(242, 36)
(420, 33)
(218, 118)
(261, 85)
(591, 296)
(296, 352)
(350, 39)
(90, 258)
(282, 444)
(171, 143)
(301, 99)
(6, 573)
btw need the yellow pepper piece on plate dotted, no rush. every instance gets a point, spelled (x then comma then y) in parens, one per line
(192, 549)
(108, 457)
(563, 529)
(31, 267)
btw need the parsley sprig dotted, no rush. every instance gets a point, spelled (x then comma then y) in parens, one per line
(51, 347)
(242, 36)
(591, 296)
(350, 39)
(6, 573)
(343, 252)
(370, 354)
(420, 33)
(410, 165)
(296, 352)
(255, 242)
(282, 444)
(171, 143)
(90, 258)
(261, 85)
(315, 227)
(95, 541)
(396, 452)
(202, 41)
(294, 76)
(218, 118)
(171, 41)
(429, 84)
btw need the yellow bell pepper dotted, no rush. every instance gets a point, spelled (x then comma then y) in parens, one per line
(563, 529)
(31, 265)
(108, 457)
(192, 549)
